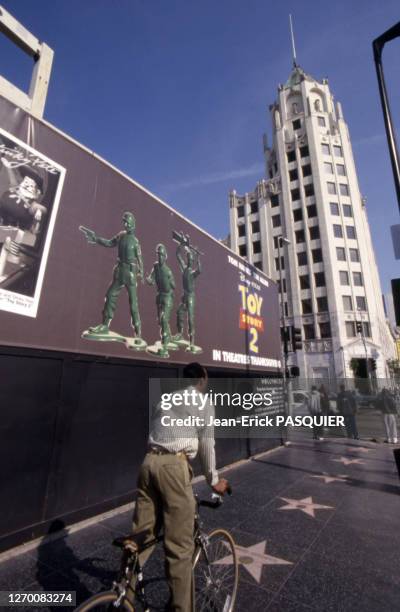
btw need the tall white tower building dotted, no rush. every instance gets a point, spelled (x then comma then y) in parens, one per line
(311, 197)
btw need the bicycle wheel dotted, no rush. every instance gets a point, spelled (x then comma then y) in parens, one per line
(215, 573)
(104, 602)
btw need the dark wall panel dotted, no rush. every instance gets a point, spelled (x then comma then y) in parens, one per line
(29, 395)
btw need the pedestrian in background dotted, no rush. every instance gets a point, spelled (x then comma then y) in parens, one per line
(347, 407)
(387, 406)
(314, 408)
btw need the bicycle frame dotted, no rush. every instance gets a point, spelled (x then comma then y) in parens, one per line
(131, 567)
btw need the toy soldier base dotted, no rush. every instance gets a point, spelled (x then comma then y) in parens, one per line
(101, 333)
(189, 347)
(161, 350)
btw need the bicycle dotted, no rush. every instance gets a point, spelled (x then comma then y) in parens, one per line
(215, 571)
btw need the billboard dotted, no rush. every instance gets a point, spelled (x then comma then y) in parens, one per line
(30, 189)
(109, 269)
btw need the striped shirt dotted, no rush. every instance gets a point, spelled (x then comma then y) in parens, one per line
(195, 436)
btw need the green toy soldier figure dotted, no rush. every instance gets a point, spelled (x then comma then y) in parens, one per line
(191, 268)
(129, 265)
(162, 276)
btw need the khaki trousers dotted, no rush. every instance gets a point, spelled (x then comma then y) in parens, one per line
(165, 499)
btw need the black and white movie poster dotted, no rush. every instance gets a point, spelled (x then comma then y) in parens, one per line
(30, 190)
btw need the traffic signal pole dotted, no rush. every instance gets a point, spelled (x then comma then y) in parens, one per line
(360, 330)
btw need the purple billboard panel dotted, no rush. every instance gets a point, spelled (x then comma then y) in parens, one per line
(118, 272)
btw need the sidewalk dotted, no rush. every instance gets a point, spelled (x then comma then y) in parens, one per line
(316, 524)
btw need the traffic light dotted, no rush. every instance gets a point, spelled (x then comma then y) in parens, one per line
(359, 327)
(372, 365)
(297, 343)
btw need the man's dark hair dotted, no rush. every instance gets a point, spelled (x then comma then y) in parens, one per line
(195, 371)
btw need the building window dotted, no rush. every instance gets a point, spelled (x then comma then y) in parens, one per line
(255, 227)
(341, 170)
(257, 247)
(340, 254)
(258, 265)
(350, 329)
(338, 231)
(304, 281)
(277, 263)
(322, 303)
(302, 258)
(274, 200)
(311, 211)
(334, 208)
(253, 207)
(309, 332)
(361, 303)
(325, 330)
(284, 285)
(328, 167)
(331, 188)
(276, 220)
(297, 124)
(291, 156)
(314, 232)
(316, 255)
(344, 277)
(276, 244)
(347, 302)
(240, 211)
(297, 214)
(319, 278)
(337, 151)
(241, 230)
(293, 174)
(325, 149)
(321, 121)
(366, 329)
(243, 250)
(306, 306)
(347, 210)
(304, 152)
(354, 255)
(351, 231)
(295, 193)
(309, 190)
(300, 237)
(344, 189)
(306, 170)
(357, 279)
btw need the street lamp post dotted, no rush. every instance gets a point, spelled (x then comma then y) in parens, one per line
(281, 241)
(364, 343)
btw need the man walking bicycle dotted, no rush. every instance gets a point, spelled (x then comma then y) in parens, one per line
(165, 497)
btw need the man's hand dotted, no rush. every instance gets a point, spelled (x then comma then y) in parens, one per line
(221, 487)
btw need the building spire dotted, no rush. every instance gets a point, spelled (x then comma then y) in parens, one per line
(293, 46)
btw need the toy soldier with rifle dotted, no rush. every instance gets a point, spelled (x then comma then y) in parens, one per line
(191, 268)
(162, 276)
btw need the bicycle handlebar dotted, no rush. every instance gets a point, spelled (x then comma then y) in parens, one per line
(217, 500)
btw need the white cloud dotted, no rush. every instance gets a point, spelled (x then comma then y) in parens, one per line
(218, 177)
(370, 140)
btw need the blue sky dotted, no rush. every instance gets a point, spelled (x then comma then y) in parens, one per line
(176, 92)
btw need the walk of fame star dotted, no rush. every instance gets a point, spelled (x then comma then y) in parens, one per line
(328, 478)
(361, 449)
(305, 505)
(347, 461)
(253, 559)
